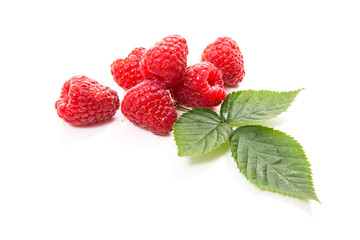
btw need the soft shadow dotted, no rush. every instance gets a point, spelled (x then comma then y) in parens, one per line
(99, 124)
(304, 205)
(136, 135)
(194, 166)
(71, 134)
(211, 156)
(231, 87)
(278, 121)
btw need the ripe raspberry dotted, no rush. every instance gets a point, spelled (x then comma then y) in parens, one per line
(165, 62)
(126, 72)
(149, 105)
(202, 86)
(225, 54)
(84, 101)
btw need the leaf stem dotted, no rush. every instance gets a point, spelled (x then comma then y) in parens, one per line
(181, 108)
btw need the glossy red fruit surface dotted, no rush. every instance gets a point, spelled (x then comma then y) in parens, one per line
(150, 106)
(165, 62)
(225, 54)
(84, 101)
(126, 72)
(202, 86)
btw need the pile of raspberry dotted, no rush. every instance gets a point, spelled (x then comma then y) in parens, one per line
(156, 79)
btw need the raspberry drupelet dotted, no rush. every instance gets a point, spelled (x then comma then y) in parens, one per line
(166, 61)
(83, 101)
(126, 72)
(150, 106)
(202, 86)
(225, 54)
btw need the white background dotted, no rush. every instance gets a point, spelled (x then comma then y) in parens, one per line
(117, 181)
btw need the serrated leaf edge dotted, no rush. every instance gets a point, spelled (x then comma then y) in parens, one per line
(262, 188)
(203, 152)
(257, 91)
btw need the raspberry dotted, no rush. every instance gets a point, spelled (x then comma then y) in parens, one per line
(225, 54)
(84, 101)
(165, 62)
(126, 72)
(202, 86)
(149, 105)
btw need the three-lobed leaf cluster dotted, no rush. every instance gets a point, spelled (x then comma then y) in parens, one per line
(269, 158)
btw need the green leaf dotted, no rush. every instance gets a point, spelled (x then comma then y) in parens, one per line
(199, 131)
(244, 107)
(273, 161)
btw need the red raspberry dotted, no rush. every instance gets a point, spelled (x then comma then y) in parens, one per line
(202, 86)
(165, 62)
(84, 101)
(126, 72)
(225, 54)
(149, 105)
